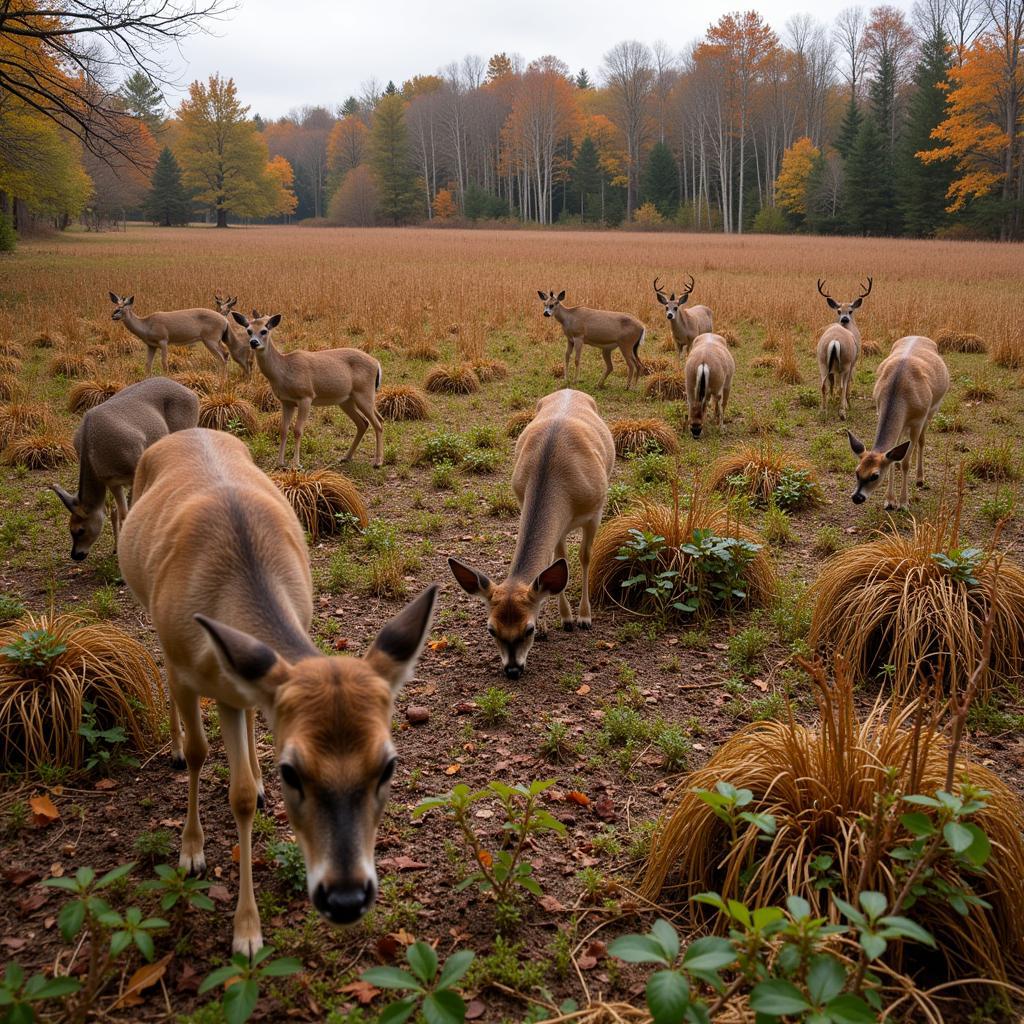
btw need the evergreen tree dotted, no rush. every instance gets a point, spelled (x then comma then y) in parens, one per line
(583, 80)
(867, 212)
(392, 163)
(659, 184)
(390, 89)
(922, 187)
(167, 203)
(258, 123)
(882, 92)
(143, 100)
(848, 129)
(586, 180)
(350, 107)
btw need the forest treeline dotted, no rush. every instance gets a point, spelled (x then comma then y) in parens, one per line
(877, 124)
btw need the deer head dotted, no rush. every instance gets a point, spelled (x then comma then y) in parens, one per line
(845, 310)
(671, 303)
(122, 304)
(551, 301)
(873, 466)
(258, 328)
(224, 306)
(85, 525)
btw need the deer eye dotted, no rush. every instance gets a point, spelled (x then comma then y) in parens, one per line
(529, 631)
(290, 777)
(492, 630)
(389, 771)
(874, 476)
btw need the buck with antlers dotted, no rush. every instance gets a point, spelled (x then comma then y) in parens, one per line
(179, 327)
(564, 458)
(686, 324)
(839, 349)
(910, 384)
(346, 377)
(598, 327)
(237, 340)
(215, 554)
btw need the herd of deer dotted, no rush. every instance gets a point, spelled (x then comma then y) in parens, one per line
(216, 556)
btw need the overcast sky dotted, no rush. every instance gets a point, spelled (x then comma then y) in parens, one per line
(288, 53)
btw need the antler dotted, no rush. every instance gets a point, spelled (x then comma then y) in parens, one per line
(821, 289)
(865, 294)
(656, 288)
(689, 287)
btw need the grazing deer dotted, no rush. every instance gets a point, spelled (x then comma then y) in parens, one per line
(179, 327)
(110, 441)
(237, 340)
(686, 324)
(910, 384)
(346, 377)
(839, 348)
(216, 556)
(709, 370)
(563, 461)
(600, 328)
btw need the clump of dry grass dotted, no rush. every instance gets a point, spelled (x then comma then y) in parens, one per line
(423, 349)
(518, 422)
(48, 339)
(557, 370)
(9, 364)
(11, 387)
(453, 379)
(87, 394)
(200, 383)
(321, 499)
(120, 345)
(44, 450)
(889, 607)
(666, 386)
(758, 470)
(823, 784)
(640, 436)
(787, 369)
(224, 410)
(11, 350)
(489, 369)
(20, 418)
(765, 363)
(731, 339)
(704, 513)
(262, 396)
(997, 461)
(41, 704)
(978, 389)
(403, 402)
(1008, 349)
(869, 348)
(71, 364)
(951, 340)
(658, 364)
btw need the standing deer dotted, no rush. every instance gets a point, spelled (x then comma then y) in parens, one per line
(216, 556)
(600, 328)
(346, 377)
(564, 458)
(709, 370)
(179, 327)
(910, 385)
(839, 348)
(686, 324)
(237, 340)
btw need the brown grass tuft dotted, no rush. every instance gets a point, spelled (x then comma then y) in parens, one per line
(959, 341)
(11, 388)
(978, 389)
(12, 350)
(489, 369)
(262, 396)
(1008, 350)
(87, 394)
(20, 418)
(423, 349)
(200, 383)
(557, 370)
(658, 364)
(44, 450)
(403, 402)
(48, 339)
(41, 707)
(9, 364)
(453, 379)
(224, 410)
(518, 422)
(870, 348)
(640, 436)
(762, 468)
(787, 369)
(666, 386)
(731, 339)
(765, 363)
(319, 498)
(70, 364)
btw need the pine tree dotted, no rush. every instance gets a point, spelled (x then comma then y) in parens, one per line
(392, 164)
(866, 187)
(350, 107)
(659, 184)
(390, 89)
(882, 92)
(922, 187)
(848, 129)
(167, 203)
(583, 80)
(586, 179)
(143, 100)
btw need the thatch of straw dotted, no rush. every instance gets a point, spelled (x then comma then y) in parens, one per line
(318, 497)
(639, 436)
(762, 467)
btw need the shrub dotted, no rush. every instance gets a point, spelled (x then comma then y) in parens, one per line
(11, 387)
(51, 666)
(423, 349)
(87, 394)
(403, 402)
(482, 460)
(226, 411)
(201, 383)
(452, 380)
(642, 436)
(70, 364)
(666, 386)
(442, 446)
(958, 341)
(518, 422)
(8, 236)
(1008, 350)
(20, 418)
(978, 389)
(766, 473)
(9, 364)
(45, 450)
(489, 369)
(324, 501)
(995, 462)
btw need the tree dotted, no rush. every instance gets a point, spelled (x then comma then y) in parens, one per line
(587, 179)
(444, 206)
(629, 78)
(867, 198)
(583, 80)
(223, 157)
(791, 187)
(355, 202)
(280, 179)
(392, 164)
(347, 147)
(143, 99)
(167, 203)
(499, 66)
(351, 107)
(848, 128)
(660, 183)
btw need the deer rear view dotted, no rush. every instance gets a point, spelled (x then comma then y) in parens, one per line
(839, 348)
(910, 384)
(685, 324)
(564, 458)
(709, 371)
(215, 554)
(346, 377)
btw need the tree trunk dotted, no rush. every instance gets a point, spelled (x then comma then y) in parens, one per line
(222, 217)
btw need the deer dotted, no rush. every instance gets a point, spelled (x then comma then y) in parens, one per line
(685, 324)
(346, 377)
(215, 555)
(709, 371)
(563, 460)
(179, 327)
(839, 349)
(602, 329)
(237, 341)
(909, 387)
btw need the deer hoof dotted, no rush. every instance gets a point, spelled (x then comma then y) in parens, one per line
(247, 942)
(261, 798)
(584, 623)
(178, 762)
(568, 625)
(194, 863)
(890, 505)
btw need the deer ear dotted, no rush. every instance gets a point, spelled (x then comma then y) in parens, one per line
(257, 669)
(231, 302)
(240, 318)
(856, 303)
(899, 453)
(130, 300)
(273, 321)
(543, 296)
(561, 295)
(113, 298)
(397, 648)
(553, 579)
(70, 500)
(855, 444)
(661, 298)
(832, 304)
(471, 581)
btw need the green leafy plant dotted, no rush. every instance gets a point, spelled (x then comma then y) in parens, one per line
(102, 746)
(242, 981)
(176, 889)
(291, 865)
(643, 553)
(721, 564)
(494, 704)
(795, 489)
(18, 993)
(961, 563)
(35, 648)
(430, 991)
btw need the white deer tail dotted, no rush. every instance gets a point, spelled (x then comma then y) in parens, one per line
(833, 355)
(703, 372)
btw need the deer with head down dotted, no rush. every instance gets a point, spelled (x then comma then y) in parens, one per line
(685, 324)
(839, 348)
(237, 341)
(214, 553)
(709, 371)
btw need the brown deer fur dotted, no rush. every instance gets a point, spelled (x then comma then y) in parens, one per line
(237, 341)
(709, 370)
(839, 349)
(685, 324)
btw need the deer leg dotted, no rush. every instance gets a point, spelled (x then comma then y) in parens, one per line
(583, 619)
(606, 355)
(192, 858)
(300, 425)
(919, 445)
(219, 353)
(565, 373)
(120, 511)
(905, 474)
(163, 355)
(564, 608)
(356, 415)
(287, 411)
(150, 353)
(177, 752)
(368, 412)
(890, 488)
(824, 394)
(844, 394)
(242, 793)
(254, 760)
(577, 355)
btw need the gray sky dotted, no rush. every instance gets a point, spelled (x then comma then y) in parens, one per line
(288, 53)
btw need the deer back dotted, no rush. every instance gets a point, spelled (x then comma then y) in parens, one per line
(712, 350)
(601, 326)
(849, 346)
(182, 326)
(910, 382)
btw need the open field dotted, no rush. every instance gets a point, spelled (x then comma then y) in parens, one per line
(417, 299)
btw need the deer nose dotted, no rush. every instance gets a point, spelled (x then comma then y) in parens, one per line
(513, 671)
(253, 343)
(343, 904)
(858, 498)
(78, 556)
(547, 312)
(671, 316)
(695, 430)
(844, 320)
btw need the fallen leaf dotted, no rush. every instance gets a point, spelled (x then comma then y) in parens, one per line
(44, 811)
(364, 992)
(597, 948)
(145, 977)
(13, 943)
(583, 690)
(57, 870)
(341, 643)
(474, 1009)
(453, 769)
(605, 809)
(552, 904)
(33, 902)
(19, 876)
(171, 822)
(578, 798)
(388, 947)
(219, 893)
(236, 853)
(483, 812)
(587, 963)
(401, 863)
(760, 684)
(105, 784)
(486, 860)
(440, 644)
(188, 980)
